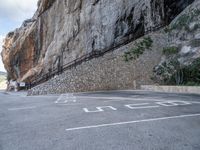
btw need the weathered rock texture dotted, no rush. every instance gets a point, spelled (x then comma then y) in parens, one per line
(62, 30)
(184, 34)
(112, 72)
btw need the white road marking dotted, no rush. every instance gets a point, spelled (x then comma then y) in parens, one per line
(143, 105)
(69, 101)
(140, 106)
(65, 98)
(132, 122)
(173, 103)
(21, 108)
(59, 98)
(99, 109)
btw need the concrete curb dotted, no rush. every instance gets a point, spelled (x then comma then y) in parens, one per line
(172, 89)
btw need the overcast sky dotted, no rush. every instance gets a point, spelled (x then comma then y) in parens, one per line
(12, 14)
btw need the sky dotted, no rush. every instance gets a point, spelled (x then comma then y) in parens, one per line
(12, 15)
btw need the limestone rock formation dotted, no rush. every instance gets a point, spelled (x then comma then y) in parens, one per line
(181, 56)
(62, 30)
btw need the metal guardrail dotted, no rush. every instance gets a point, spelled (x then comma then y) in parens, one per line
(94, 54)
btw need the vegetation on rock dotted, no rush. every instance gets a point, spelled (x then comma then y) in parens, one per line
(170, 50)
(135, 52)
(172, 73)
(184, 21)
(181, 66)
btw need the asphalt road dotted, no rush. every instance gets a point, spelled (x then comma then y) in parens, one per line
(115, 120)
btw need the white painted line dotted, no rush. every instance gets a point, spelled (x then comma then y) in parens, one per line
(173, 103)
(138, 104)
(142, 107)
(132, 122)
(99, 109)
(21, 108)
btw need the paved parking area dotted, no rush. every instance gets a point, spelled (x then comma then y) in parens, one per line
(120, 120)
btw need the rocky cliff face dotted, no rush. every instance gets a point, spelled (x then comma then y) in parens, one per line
(62, 30)
(181, 55)
(173, 58)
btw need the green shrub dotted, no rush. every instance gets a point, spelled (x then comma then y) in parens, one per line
(181, 22)
(147, 42)
(167, 29)
(196, 12)
(135, 53)
(170, 50)
(188, 29)
(188, 75)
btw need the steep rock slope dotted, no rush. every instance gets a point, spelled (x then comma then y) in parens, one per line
(175, 49)
(62, 30)
(181, 56)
